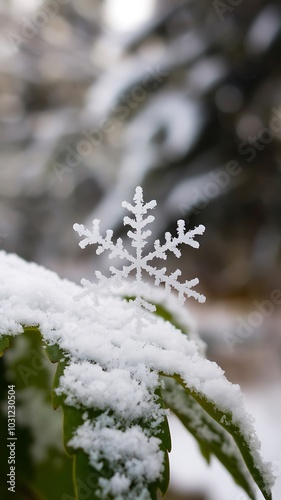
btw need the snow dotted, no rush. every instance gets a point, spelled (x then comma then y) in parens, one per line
(178, 114)
(207, 73)
(264, 30)
(113, 365)
(110, 89)
(100, 340)
(140, 456)
(115, 390)
(180, 117)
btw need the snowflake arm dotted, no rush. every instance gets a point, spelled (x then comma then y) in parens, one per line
(160, 252)
(94, 237)
(115, 250)
(171, 244)
(171, 281)
(140, 208)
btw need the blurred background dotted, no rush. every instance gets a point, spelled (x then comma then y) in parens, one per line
(184, 99)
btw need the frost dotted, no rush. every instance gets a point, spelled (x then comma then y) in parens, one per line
(140, 262)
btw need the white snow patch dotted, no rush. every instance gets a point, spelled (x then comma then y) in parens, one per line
(103, 348)
(134, 456)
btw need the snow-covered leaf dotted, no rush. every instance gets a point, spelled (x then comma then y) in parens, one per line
(111, 354)
(241, 432)
(211, 437)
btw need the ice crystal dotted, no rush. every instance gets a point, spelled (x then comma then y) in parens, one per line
(138, 262)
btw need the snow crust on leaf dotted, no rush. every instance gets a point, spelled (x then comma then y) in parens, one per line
(205, 427)
(135, 457)
(129, 397)
(99, 341)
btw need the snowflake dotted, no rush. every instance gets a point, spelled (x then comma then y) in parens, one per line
(140, 262)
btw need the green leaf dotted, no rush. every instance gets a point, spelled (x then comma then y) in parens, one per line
(86, 478)
(54, 353)
(163, 433)
(211, 437)
(225, 419)
(4, 343)
(27, 367)
(31, 370)
(57, 399)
